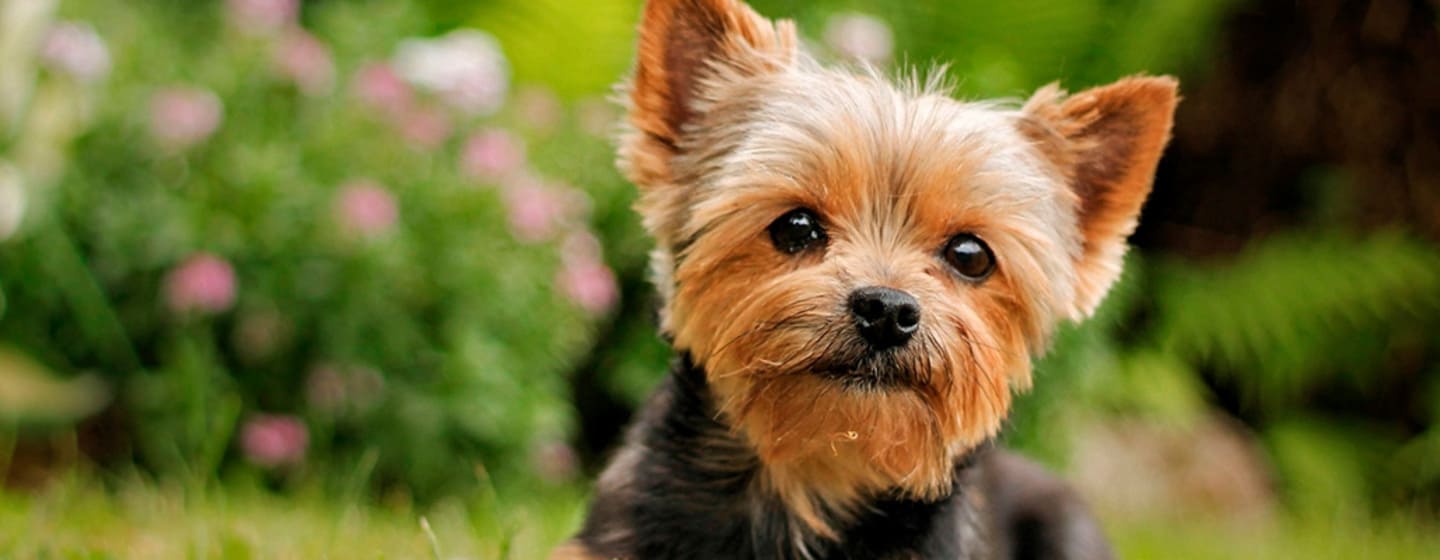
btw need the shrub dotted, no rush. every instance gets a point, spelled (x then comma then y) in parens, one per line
(281, 245)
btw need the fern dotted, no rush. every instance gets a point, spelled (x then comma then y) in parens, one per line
(1295, 311)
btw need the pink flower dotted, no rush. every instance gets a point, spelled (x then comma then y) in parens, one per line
(365, 209)
(263, 16)
(580, 245)
(860, 37)
(75, 49)
(555, 462)
(425, 128)
(274, 440)
(182, 117)
(465, 68)
(377, 85)
(305, 60)
(204, 283)
(492, 154)
(589, 284)
(538, 108)
(535, 210)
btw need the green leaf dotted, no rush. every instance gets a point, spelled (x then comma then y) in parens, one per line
(1298, 310)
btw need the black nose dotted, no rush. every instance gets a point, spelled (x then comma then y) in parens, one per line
(886, 317)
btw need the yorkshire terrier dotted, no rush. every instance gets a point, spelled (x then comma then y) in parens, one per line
(855, 275)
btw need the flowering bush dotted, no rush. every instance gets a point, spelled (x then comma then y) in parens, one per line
(202, 283)
(280, 274)
(181, 117)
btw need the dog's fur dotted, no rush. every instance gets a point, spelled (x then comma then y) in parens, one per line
(778, 434)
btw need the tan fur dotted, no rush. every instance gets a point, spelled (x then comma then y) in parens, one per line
(731, 126)
(1107, 141)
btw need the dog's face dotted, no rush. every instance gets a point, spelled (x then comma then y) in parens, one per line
(864, 270)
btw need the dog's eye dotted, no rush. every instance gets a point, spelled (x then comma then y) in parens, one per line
(796, 231)
(970, 257)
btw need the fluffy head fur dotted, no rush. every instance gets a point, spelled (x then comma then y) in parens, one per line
(732, 126)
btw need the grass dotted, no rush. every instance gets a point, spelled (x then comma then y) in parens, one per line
(1290, 537)
(81, 519)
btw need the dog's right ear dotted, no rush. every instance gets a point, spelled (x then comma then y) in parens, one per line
(689, 52)
(1107, 142)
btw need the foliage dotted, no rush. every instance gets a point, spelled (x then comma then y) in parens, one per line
(420, 328)
(1284, 323)
(1302, 309)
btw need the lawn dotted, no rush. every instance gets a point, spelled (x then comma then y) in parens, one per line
(82, 519)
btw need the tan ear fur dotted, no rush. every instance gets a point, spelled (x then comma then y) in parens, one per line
(683, 42)
(688, 52)
(1107, 142)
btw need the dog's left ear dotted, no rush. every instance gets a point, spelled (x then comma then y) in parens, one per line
(689, 53)
(1106, 141)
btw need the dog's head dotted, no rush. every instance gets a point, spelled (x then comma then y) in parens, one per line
(865, 269)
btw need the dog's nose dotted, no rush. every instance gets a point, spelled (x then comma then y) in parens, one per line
(886, 317)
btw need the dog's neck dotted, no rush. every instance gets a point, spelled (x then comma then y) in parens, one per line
(686, 486)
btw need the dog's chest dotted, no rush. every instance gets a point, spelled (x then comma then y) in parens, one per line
(889, 530)
(684, 488)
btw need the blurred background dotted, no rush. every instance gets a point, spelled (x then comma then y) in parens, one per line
(358, 278)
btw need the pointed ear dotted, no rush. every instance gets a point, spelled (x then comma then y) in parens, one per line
(1107, 142)
(687, 50)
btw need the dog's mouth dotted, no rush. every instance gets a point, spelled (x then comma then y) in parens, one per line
(883, 370)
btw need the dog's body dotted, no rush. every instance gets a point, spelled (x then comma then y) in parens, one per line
(684, 487)
(856, 275)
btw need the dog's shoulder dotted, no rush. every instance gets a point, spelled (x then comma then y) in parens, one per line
(1034, 514)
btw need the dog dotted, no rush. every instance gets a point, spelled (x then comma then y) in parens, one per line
(855, 275)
